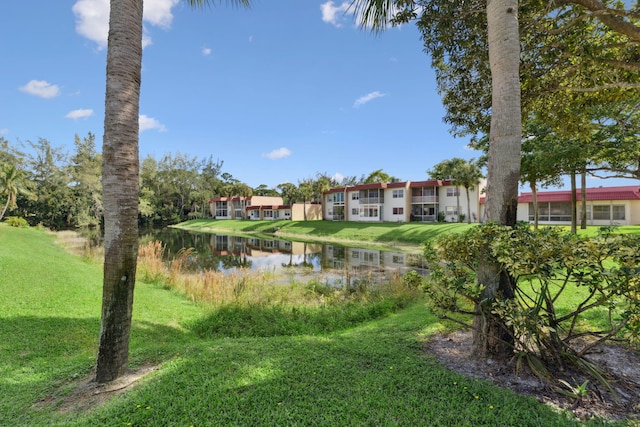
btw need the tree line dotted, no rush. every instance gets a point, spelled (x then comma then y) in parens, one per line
(49, 187)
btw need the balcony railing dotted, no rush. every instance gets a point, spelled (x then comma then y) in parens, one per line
(371, 200)
(424, 199)
(424, 218)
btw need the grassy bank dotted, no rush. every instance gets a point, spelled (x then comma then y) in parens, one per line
(376, 373)
(404, 236)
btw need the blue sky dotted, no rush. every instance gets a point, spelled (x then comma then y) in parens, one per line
(277, 92)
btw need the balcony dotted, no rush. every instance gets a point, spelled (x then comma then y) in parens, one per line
(371, 200)
(424, 199)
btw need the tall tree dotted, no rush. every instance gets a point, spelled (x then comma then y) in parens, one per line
(469, 175)
(49, 175)
(120, 170)
(12, 183)
(306, 192)
(540, 165)
(491, 334)
(85, 171)
(378, 176)
(120, 183)
(288, 192)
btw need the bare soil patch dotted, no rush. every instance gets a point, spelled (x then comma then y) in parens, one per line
(622, 365)
(88, 394)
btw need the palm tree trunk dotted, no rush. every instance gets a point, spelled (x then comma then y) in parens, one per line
(468, 206)
(583, 199)
(458, 203)
(491, 334)
(574, 203)
(6, 205)
(536, 212)
(120, 186)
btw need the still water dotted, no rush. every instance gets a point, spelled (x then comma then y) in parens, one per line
(228, 253)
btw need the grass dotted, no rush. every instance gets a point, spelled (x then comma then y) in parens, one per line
(371, 373)
(385, 232)
(406, 236)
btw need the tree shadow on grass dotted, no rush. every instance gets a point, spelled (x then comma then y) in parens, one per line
(44, 358)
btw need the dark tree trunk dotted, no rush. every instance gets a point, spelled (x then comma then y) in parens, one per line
(574, 204)
(492, 335)
(534, 196)
(583, 199)
(120, 169)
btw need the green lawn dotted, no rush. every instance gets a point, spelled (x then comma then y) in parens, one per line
(359, 233)
(375, 374)
(387, 234)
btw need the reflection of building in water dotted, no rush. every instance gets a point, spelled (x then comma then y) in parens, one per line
(359, 259)
(234, 245)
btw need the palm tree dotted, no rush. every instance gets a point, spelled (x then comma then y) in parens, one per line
(449, 170)
(120, 170)
(491, 335)
(468, 175)
(12, 184)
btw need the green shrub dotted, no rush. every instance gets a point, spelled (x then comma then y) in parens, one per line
(567, 287)
(16, 221)
(412, 279)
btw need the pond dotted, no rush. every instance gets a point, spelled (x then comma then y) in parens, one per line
(226, 253)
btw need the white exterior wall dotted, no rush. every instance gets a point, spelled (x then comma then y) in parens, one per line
(522, 213)
(452, 201)
(390, 203)
(351, 205)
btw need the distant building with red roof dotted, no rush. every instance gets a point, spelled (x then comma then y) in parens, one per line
(604, 205)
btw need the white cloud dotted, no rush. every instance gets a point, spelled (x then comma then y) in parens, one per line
(338, 177)
(335, 15)
(79, 114)
(206, 51)
(158, 12)
(41, 88)
(92, 18)
(367, 98)
(147, 123)
(4, 131)
(280, 153)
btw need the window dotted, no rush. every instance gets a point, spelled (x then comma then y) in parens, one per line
(601, 212)
(221, 209)
(398, 194)
(451, 210)
(330, 198)
(338, 198)
(398, 211)
(354, 211)
(267, 214)
(355, 196)
(452, 192)
(369, 212)
(618, 212)
(398, 259)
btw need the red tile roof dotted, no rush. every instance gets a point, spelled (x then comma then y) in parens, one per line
(631, 192)
(429, 183)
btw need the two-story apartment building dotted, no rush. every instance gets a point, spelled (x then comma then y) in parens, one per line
(236, 207)
(262, 208)
(401, 202)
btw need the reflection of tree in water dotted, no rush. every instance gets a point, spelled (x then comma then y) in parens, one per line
(306, 259)
(236, 261)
